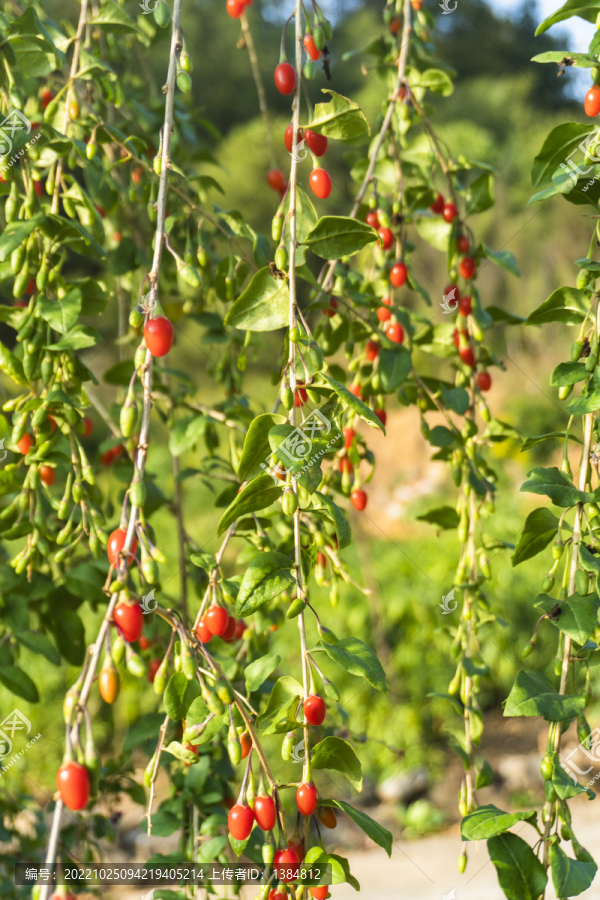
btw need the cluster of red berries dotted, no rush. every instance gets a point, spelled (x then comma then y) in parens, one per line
(218, 623)
(358, 497)
(386, 235)
(48, 473)
(235, 8)
(319, 181)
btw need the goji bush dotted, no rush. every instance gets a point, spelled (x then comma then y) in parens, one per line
(106, 215)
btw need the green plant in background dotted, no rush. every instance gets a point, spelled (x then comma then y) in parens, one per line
(564, 162)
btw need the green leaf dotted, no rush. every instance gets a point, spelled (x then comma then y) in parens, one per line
(393, 367)
(372, 829)
(585, 403)
(180, 752)
(335, 753)
(444, 517)
(556, 485)
(263, 306)
(588, 560)
(265, 578)
(337, 872)
(520, 873)
(69, 635)
(501, 315)
(435, 231)
(179, 695)
(440, 436)
(185, 433)
(256, 448)
(534, 695)
(15, 233)
(539, 438)
(480, 195)
(17, 681)
(258, 494)
(568, 373)
(283, 699)
(41, 644)
(571, 877)
(586, 9)
(583, 60)
(113, 19)
(539, 529)
(259, 670)
(341, 118)
(436, 80)
(564, 783)
(203, 561)
(306, 219)
(337, 236)
(61, 314)
(488, 821)
(77, 338)
(337, 516)
(559, 144)
(566, 305)
(358, 659)
(120, 373)
(301, 450)
(145, 728)
(578, 615)
(354, 403)
(503, 258)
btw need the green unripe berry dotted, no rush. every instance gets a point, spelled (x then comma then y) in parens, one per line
(184, 82)
(289, 503)
(309, 70)
(319, 36)
(281, 257)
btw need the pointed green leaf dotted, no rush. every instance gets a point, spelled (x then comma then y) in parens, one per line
(259, 670)
(540, 528)
(258, 494)
(488, 821)
(534, 695)
(283, 699)
(353, 402)
(256, 448)
(39, 643)
(265, 578)
(555, 484)
(358, 659)
(372, 829)
(571, 877)
(520, 873)
(179, 695)
(577, 616)
(337, 236)
(337, 516)
(263, 306)
(335, 753)
(62, 313)
(341, 118)
(19, 682)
